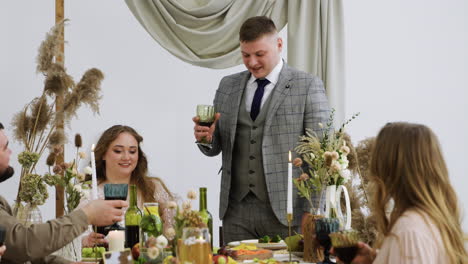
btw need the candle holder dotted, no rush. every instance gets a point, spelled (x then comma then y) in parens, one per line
(289, 226)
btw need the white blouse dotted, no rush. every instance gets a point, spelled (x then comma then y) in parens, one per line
(414, 239)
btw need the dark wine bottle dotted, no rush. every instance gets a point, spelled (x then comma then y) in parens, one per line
(132, 220)
(205, 214)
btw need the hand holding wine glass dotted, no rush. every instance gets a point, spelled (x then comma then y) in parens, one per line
(115, 192)
(205, 124)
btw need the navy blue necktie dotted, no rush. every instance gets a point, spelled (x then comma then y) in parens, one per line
(257, 100)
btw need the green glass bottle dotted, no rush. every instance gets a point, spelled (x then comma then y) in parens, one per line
(205, 214)
(132, 220)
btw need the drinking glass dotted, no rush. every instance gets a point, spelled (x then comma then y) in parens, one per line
(323, 227)
(115, 192)
(195, 246)
(345, 245)
(206, 115)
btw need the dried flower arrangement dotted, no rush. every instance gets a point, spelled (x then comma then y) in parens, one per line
(328, 159)
(186, 217)
(37, 125)
(67, 176)
(318, 172)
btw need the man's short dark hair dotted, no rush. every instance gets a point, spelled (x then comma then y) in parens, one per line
(256, 27)
(1, 126)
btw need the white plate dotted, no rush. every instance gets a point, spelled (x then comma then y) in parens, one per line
(234, 243)
(272, 246)
(250, 241)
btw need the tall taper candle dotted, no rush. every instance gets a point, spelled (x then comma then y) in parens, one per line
(94, 194)
(290, 183)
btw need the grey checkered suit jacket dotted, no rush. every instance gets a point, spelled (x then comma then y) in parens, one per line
(299, 102)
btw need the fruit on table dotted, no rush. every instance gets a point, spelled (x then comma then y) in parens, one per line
(91, 253)
(295, 243)
(264, 239)
(220, 259)
(268, 239)
(136, 251)
(276, 239)
(231, 261)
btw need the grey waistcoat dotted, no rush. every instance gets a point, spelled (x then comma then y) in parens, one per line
(247, 162)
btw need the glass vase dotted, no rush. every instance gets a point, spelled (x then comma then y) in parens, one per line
(195, 246)
(71, 251)
(150, 229)
(29, 215)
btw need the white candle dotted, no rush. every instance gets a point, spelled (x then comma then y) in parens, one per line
(116, 240)
(290, 198)
(94, 194)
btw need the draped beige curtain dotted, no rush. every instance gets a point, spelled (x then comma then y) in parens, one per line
(316, 45)
(205, 33)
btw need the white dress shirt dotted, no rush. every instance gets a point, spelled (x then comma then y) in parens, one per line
(252, 86)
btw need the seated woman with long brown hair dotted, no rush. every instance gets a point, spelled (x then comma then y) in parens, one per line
(408, 168)
(120, 159)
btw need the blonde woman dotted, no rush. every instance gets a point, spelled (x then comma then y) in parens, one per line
(424, 226)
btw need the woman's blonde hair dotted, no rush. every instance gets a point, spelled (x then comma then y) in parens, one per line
(407, 166)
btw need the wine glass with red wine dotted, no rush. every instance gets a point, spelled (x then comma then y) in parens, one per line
(206, 115)
(323, 227)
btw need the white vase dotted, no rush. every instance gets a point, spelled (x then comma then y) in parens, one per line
(333, 205)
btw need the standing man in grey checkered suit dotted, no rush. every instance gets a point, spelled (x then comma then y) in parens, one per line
(261, 113)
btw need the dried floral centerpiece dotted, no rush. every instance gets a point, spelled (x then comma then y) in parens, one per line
(75, 186)
(193, 236)
(328, 159)
(38, 125)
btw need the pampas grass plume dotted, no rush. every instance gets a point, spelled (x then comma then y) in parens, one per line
(40, 113)
(22, 124)
(57, 81)
(49, 48)
(57, 138)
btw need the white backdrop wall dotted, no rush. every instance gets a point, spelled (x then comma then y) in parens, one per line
(406, 60)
